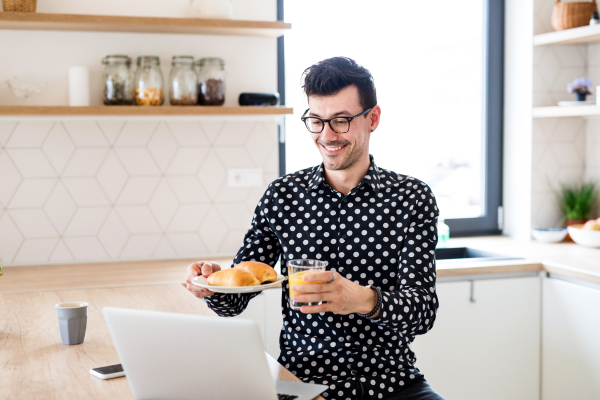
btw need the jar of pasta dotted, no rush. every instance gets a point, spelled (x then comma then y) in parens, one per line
(211, 82)
(184, 82)
(148, 82)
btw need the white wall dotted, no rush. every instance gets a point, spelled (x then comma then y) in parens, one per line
(517, 118)
(95, 189)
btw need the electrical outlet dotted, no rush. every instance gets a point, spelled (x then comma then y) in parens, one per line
(245, 177)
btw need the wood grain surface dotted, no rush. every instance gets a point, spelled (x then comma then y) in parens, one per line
(113, 23)
(35, 365)
(162, 111)
(77, 276)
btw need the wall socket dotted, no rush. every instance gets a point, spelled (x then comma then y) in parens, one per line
(245, 177)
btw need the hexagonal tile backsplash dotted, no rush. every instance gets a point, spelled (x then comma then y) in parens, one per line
(86, 191)
(563, 149)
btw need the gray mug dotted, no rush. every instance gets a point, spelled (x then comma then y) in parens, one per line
(72, 320)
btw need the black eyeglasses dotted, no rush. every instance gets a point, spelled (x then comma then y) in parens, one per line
(337, 124)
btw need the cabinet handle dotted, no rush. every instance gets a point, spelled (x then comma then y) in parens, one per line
(472, 292)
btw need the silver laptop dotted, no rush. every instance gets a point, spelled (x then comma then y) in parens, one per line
(180, 356)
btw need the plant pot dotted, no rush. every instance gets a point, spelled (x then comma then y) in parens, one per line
(19, 5)
(580, 96)
(573, 222)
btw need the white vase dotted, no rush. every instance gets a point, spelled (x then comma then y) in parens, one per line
(220, 9)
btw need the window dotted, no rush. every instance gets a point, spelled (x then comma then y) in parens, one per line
(438, 71)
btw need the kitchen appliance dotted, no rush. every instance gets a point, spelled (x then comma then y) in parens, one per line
(259, 99)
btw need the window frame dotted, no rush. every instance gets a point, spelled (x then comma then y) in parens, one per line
(490, 223)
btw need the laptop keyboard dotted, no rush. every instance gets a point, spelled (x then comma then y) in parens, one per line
(286, 396)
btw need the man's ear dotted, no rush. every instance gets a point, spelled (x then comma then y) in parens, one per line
(375, 117)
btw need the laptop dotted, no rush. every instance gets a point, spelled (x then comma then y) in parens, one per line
(181, 356)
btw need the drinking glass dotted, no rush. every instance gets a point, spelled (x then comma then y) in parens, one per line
(296, 271)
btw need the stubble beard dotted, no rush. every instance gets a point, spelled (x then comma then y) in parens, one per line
(345, 163)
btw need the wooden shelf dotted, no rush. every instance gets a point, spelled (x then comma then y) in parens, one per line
(106, 23)
(148, 111)
(574, 111)
(583, 34)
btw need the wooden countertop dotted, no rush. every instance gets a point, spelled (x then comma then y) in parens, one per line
(35, 365)
(567, 259)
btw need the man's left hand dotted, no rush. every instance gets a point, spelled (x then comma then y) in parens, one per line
(342, 295)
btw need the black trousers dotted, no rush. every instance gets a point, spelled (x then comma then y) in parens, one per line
(419, 390)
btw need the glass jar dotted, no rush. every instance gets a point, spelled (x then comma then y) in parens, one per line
(118, 87)
(148, 82)
(211, 82)
(184, 82)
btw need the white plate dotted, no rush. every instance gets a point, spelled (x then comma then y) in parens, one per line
(576, 103)
(201, 281)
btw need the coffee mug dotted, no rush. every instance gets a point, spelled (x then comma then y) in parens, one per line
(72, 321)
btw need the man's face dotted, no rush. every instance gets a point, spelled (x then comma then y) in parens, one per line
(341, 150)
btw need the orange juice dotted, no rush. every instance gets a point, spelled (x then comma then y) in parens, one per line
(298, 279)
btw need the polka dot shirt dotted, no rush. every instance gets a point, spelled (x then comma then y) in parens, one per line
(383, 233)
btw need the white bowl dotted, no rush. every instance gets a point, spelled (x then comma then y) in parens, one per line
(584, 237)
(549, 235)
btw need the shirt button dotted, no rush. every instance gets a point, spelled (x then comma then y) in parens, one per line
(353, 372)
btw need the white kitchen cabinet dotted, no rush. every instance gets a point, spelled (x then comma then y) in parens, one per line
(255, 311)
(273, 320)
(570, 341)
(265, 310)
(487, 349)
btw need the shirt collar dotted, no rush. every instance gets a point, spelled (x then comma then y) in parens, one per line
(372, 177)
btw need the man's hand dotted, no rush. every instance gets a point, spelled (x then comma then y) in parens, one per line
(204, 268)
(342, 295)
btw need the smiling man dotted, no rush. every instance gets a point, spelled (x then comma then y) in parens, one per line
(377, 231)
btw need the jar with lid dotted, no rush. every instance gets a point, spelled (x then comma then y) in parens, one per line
(148, 82)
(211, 81)
(118, 86)
(184, 81)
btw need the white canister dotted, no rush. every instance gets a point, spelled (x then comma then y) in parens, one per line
(79, 86)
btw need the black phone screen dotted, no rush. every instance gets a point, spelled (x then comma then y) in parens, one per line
(110, 369)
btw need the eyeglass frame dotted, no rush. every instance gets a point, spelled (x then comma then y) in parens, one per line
(323, 121)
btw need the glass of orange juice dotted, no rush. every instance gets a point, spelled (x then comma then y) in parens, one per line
(296, 271)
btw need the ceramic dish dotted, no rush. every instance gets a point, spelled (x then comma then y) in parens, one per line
(584, 237)
(201, 281)
(549, 235)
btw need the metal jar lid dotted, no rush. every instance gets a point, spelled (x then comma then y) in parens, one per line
(116, 59)
(210, 61)
(147, 60)
(189, 60)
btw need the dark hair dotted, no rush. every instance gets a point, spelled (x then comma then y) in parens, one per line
(328, 77)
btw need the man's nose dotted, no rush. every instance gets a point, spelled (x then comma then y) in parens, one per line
(328, 134)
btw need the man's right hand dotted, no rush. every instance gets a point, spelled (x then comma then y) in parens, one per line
(204, 268)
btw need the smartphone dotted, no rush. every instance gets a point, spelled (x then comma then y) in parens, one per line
(108, 372)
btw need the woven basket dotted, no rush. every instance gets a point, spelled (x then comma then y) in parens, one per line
(19, 5)
(571, 15)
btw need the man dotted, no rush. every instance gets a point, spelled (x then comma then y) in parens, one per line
(377, 231)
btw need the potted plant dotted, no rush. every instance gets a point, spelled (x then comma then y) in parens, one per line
(576, 202)
(581, 88)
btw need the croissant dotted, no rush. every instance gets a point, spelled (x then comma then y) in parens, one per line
(263, 272)
(233, 277)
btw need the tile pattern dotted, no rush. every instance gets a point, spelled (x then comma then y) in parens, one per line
(561, 151)
(85, 190)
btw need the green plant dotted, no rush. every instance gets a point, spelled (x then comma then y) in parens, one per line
(1, 269)
(577, 201)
